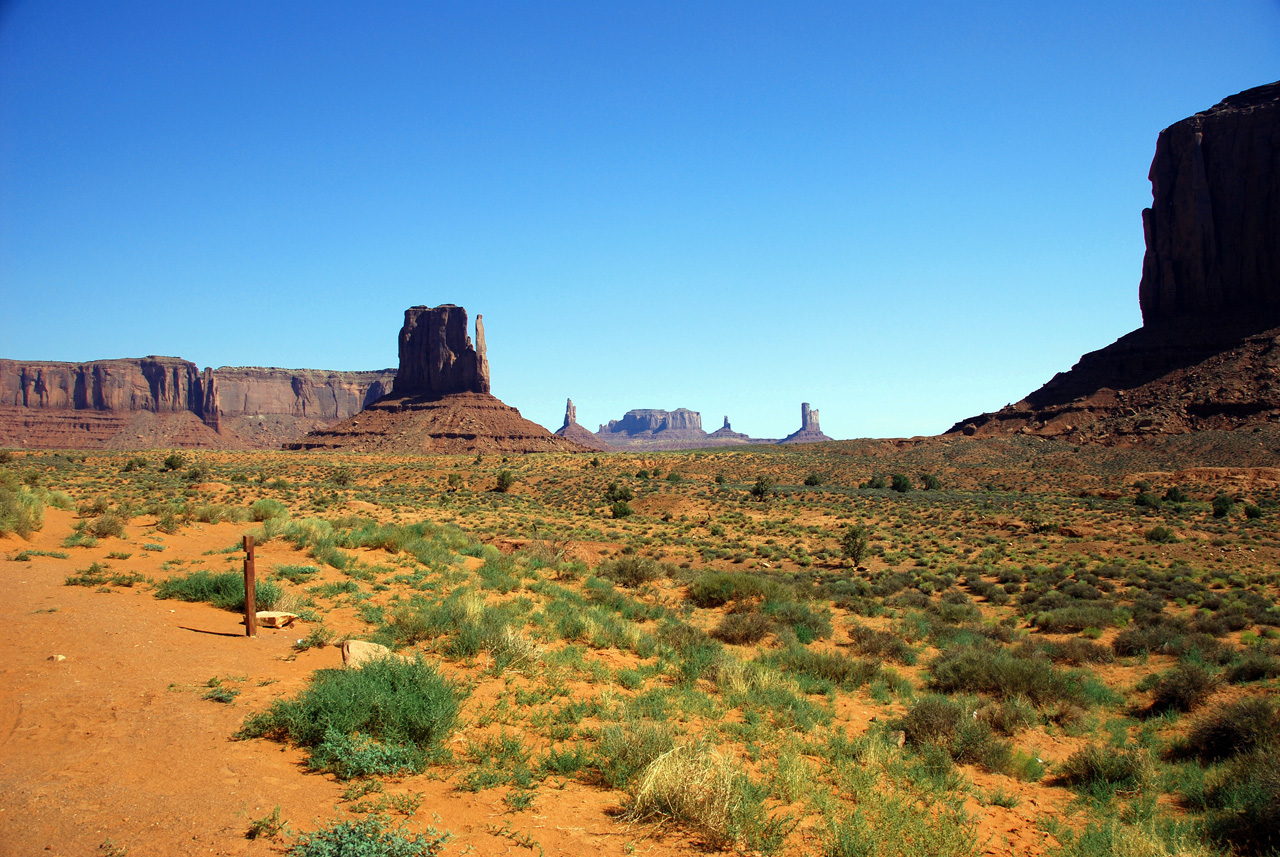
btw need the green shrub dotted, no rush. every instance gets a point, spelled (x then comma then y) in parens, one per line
(388, 715)
(930, 482)
(840, 670)
(614, 493)
(1100, 771)
(1175, 495)
(620, 509)
(813, 480)
(1182, 688)
(21, 509)
(295, 574)
(900, 483)
(1244, 803)
(632, 571)
(762, 489)
(881, 644)
(267, 508)
(987, 669)
(741, 629)
(952, 726)
(505, 480)
(371, 836)
(1237, 727)
(173, 461)
(1161, 535)
(805, 622)
(1222, 505)
(855, 543)
(1253, 666)
(224, 590)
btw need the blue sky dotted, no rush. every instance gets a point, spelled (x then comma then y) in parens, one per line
(904, 214)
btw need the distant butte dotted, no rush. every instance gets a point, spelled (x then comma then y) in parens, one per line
(1208, 353)
(441, 401)
(809, 431)
(579, 434)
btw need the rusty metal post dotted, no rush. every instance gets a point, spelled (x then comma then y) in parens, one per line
(250, 591)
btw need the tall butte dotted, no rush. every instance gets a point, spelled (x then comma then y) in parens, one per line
(440, 402)
(1207, 356)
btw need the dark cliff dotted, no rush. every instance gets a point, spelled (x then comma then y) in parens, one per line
(1208, 353)
(1213, 228)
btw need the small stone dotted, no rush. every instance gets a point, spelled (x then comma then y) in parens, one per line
(57, 657)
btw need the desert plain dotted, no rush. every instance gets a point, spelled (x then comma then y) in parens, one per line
(944, 645)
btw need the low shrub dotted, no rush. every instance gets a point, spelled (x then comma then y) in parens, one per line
(1099, 772)
(387, 716)
(224, 590)
(1235, 728)
(632, 571)
(1244, 803)
(952, 726)
(840, 670)
(627, 749)
(742, 629)
(267, 508)
(371, 836)
(985, 668)
(1182, 688)
(21, 509)
(1253, 666)
(880, 644)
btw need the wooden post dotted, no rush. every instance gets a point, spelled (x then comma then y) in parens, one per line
(250, 591)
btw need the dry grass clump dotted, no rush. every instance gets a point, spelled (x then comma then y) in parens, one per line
(690, 784)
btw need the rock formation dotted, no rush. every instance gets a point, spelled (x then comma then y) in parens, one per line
(1208, 353)
(809, 431)
(436, 355)
(579, 434)
(441, 401)
(726, 434)
(1213, 228)
(151, 402)
(652, 428)
(268, 407)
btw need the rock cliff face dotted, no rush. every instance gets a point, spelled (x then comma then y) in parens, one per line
(809, 432)
(1208, 353)
(1213, 228)
(652, 428)
(441, 401)
(165, 401)
(268, 407)
(436, 354)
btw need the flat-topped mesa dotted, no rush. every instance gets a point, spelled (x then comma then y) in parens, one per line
(1213, 228)
(436, 354)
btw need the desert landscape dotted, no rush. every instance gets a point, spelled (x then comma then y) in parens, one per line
(381, 613)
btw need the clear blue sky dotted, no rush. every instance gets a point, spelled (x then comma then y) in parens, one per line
(904, 214)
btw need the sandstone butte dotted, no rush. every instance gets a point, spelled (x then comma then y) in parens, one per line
(577, 433)
(441, 401)
(1208, 353)
(150, 402)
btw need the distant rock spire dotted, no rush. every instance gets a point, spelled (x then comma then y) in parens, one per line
(570, 413)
